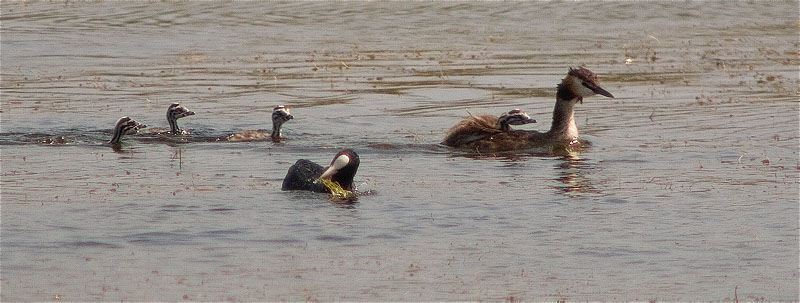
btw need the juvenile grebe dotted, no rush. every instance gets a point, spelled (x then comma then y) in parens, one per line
(475, 128)
(123, 126)
(303, 174)
(280, 114)
(175, 112)
(578, 84)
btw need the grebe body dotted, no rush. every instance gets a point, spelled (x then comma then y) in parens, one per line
(280, 115)
(124, 126)
(578, 83)
(303, 174)
(475, 129)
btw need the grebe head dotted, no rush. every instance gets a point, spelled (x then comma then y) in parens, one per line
(175, 112)
(280, 114)
(124, 125)
(343, 168)
(581, 83)
(513, 117)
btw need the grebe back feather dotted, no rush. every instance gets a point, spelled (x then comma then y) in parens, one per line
(481, 127)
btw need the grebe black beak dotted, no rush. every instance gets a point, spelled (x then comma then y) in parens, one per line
(597, 89)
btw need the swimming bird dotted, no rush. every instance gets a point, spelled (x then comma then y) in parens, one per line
(123, 126)
(280, 115)
(482, 127)
(303, 174)
(174, 112)
(578, 84)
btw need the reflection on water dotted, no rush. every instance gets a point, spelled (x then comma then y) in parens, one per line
(686, 180)
(574, 174)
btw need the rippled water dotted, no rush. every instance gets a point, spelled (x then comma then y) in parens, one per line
(689, 190)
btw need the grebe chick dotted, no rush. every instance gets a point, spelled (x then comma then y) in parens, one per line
(303, 174)
(578, 83)
(280, 115)
(175, 112)
(482, 127)
(124, 125)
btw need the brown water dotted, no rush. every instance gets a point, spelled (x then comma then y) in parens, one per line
(689, 190)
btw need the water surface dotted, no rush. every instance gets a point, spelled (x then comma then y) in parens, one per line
(689, 190)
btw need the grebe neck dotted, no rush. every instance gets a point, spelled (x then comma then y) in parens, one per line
(564, 127)
(276, 132)
(173, 125)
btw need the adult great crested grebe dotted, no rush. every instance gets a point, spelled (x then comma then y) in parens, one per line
(578, 84)
(303, 174)
(280, 114)
(482, 127)
(123, 126)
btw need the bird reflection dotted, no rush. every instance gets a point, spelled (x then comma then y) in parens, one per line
(572, 176)
(177, 154)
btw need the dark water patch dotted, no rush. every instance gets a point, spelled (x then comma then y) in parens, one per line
(159, 238)
(82, 244)
(178, 208)
(384, 236)
(277, 241)
(222, 232)
(334, 238)
(615, 201)
(221, 209)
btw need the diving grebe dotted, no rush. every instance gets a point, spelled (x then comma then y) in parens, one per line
(578, 84)
(280, 114)
(483, 127)
(303, 174)
(123, 126)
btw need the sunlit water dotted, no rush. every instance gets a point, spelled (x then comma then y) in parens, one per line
(689, 190)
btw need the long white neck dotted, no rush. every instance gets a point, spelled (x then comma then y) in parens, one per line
(564, 127)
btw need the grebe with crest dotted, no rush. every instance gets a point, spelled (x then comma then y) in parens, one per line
(304, 173)
(578, 84)
(124, 126)
(280, 115)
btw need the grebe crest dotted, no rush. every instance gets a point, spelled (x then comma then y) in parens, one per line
(175, 112)
(304, 173)
(580, 83)
(124, 126)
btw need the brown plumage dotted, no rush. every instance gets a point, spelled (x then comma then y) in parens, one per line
(484, 127)
(477, 133)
